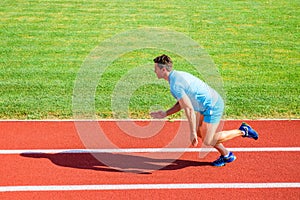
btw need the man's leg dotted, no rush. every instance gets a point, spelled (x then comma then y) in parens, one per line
(223, 136)
(215, 139)
(211, 140)
(209, 130)
(199, 121)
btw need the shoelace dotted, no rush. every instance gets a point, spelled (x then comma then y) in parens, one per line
(246, 130)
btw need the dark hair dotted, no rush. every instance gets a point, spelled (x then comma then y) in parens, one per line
(164, 61)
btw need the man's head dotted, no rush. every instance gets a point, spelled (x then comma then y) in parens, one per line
(163, 65)
(164, 61)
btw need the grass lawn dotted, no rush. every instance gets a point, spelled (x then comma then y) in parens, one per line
(254, 44)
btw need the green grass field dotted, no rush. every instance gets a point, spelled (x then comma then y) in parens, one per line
(254, 44)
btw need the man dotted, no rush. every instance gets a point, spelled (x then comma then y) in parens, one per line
(203, 107)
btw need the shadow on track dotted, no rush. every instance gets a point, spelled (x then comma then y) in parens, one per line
(114, 162)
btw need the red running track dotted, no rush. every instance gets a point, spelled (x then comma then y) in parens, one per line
(83, 169)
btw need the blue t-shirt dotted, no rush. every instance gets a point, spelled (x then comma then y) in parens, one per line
(202, 96)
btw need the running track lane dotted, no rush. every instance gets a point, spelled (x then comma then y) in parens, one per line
(79, 169)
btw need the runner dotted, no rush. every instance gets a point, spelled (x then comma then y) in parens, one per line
(203, 107)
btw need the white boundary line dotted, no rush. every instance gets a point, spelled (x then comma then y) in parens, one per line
(146, 186)
(147, 150)
(138, 120)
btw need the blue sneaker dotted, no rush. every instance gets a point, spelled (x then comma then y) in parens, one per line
(222, 160)
(248, 131)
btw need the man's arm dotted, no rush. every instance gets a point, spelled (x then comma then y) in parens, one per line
(186, 104)
(162, 114)
(176, 108)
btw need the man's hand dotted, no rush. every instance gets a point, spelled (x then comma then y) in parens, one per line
(194, 139)
(158, 114)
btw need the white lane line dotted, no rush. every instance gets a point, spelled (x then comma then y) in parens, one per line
(147, 150)
(147, 186)
(145, 120)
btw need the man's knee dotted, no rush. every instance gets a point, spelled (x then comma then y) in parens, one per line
(209, 142)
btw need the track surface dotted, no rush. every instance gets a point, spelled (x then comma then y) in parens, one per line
(259, 174)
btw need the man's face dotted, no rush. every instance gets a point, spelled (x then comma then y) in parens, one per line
(160, 73)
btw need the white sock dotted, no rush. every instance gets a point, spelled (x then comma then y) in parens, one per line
(227, 155)
(244, 133)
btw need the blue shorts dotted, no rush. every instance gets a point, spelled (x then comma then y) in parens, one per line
(214, 114)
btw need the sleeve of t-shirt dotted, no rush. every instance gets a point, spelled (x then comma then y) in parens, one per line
(177, 91)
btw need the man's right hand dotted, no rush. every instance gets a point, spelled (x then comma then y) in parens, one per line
(158, 114)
